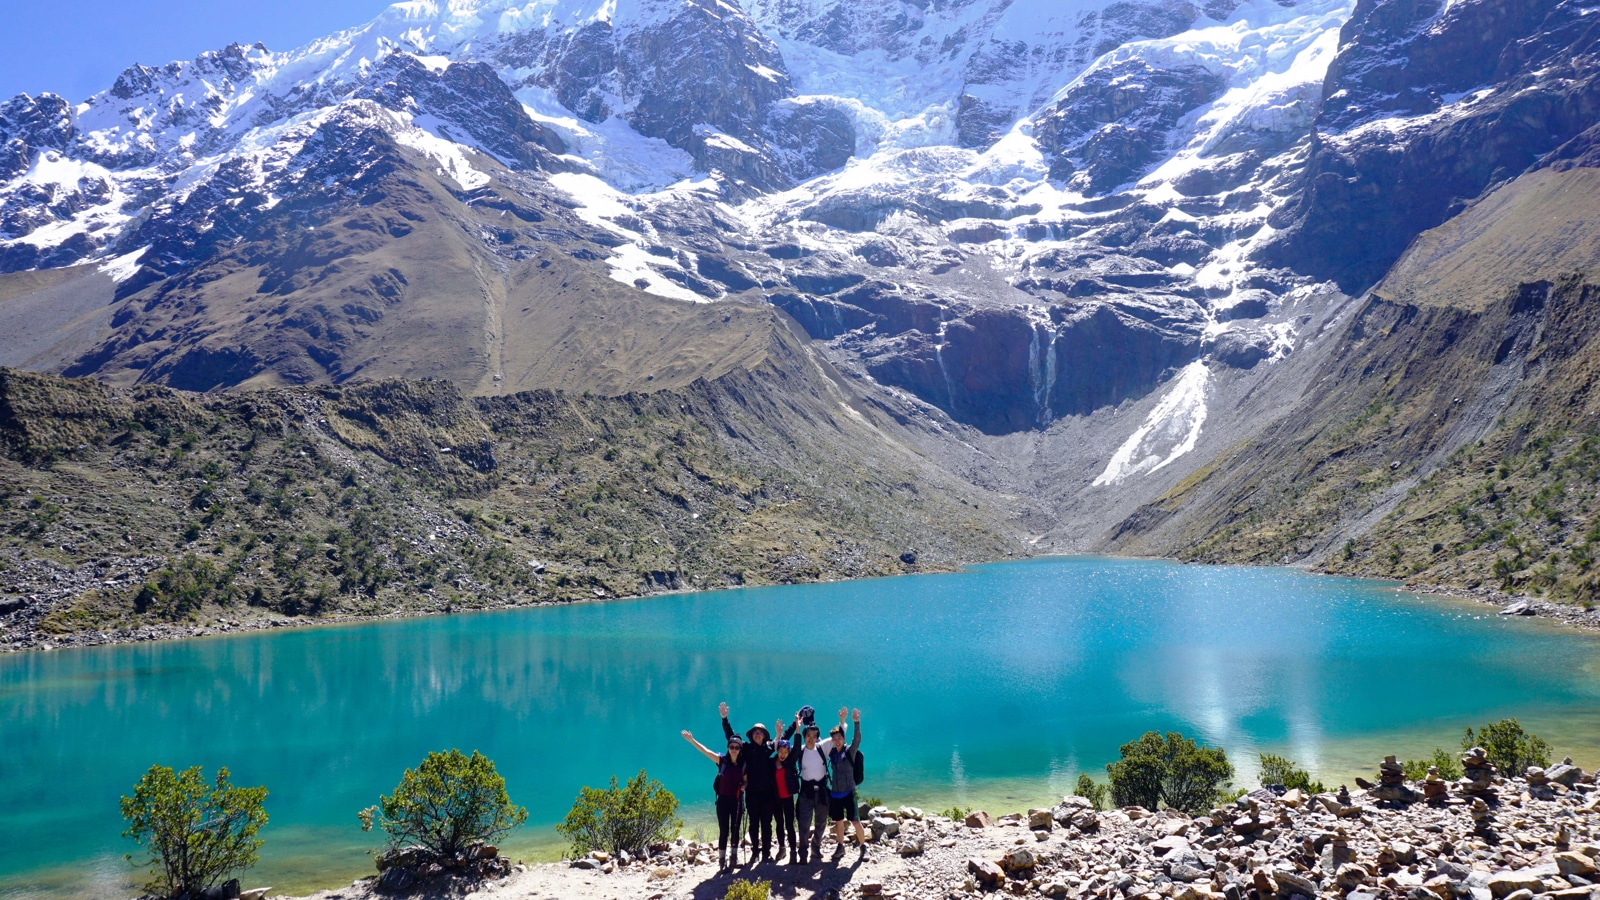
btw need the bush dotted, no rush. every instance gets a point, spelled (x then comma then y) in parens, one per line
(1510, 749)
(1171, 770)
(870, 802)
(956, 814)
(1282, 771)
(195, 834)
(748, 890)
(622, 818)
(1449, 766)
(445, 804)
(1091, 790)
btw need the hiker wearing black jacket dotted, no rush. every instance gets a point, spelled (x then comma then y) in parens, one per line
(761, 784)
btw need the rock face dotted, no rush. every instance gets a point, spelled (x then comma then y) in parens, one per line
(1427, 105)
(1122, 230)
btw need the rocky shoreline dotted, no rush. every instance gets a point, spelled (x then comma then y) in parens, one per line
(1516, 604)
(1534, 837)
(19, 617)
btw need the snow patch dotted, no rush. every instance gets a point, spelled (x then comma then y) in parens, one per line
(1174, 424)
(122, 267)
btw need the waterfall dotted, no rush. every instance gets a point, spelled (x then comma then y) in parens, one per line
(1042, 370)
(938, 355)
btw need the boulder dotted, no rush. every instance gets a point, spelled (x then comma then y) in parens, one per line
(1054, 889)
(1565, 773)
(660, 873)
(1041, 819)
(1504, 884)
(1350, 876)
(1293, 884)
(979, 819)
(1019, 859)
(885, 826)
(987, 872)
(1574, 863)
(913, 846)
(1169, 844)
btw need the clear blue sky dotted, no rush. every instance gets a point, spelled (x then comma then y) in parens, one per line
(76, 47)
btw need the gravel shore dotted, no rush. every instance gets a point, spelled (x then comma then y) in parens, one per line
(1528, 838)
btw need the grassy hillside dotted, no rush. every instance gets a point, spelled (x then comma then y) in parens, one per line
(1518, 510)
(150, 508)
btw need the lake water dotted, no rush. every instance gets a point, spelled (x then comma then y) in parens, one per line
(990, 687)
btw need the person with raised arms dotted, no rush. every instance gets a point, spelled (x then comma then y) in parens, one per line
(762, 786)
(842, 761)
(786, 766)
(811, 807)
(729, 787)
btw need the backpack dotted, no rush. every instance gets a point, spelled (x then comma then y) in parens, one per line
(729, 781)
(857, 764)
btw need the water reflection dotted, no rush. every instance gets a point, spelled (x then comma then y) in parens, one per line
(1005, 679)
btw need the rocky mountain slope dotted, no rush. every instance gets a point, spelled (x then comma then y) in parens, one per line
(1453, 437)
(127, 515)
(1116, 258)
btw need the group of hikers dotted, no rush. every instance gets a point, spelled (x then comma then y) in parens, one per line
(776, 781)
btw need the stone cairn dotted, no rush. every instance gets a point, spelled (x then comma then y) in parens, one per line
(1391, 784)
(1478, 780)
(1483, 821)
(1434, 788)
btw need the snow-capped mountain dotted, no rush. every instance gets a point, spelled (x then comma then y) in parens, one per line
(996, 213)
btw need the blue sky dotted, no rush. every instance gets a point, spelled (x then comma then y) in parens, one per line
(76, 47)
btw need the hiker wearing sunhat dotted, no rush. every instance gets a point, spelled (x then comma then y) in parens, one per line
(762, 784)
(729, 787)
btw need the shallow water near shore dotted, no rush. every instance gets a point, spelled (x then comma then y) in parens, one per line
(991, 687)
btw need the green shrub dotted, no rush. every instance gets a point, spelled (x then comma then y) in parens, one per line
(1171, 770)
(748, 890)
(1282, 771)
(1449, 766)
(1510, 749)
(181, 589)
(870, 802)
(445, 804)
(957, 814)
(195, 834)
(622, 818)
(1092, 790)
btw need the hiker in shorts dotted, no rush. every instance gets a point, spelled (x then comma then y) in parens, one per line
(787, 770)
(761, 790)
(812, 805)
(842, 781)
(729, 787)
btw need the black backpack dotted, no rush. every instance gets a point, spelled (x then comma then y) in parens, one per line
(860, 766)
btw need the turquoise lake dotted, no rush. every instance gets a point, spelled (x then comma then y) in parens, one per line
(990, 687)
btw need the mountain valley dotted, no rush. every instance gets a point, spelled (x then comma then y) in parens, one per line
(880, 286)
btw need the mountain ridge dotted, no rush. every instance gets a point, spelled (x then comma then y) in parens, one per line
(1113, 265)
